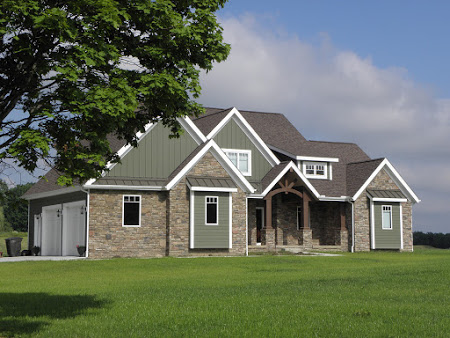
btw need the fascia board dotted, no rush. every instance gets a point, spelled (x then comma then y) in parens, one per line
(394, 175)
(334, 199)
(299, 173)
(317, 159)
(213, 189)
(249, 132)
(52, 193)
(379, 199)
(125, 187)
(192, 129)
(398, 179)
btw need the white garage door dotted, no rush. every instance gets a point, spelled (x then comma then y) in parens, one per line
(74, 230)
(63, 228)
(51, 230)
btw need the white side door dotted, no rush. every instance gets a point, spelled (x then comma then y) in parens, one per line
(37, 230)
(73, 227)
(51, 230)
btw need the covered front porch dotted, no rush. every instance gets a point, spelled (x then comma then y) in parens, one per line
(290, 217)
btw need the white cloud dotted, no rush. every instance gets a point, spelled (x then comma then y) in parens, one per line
(333, 94)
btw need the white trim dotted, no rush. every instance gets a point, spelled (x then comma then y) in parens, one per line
(395, 176)
(353, 226)
(230, 221)
(213, 189)
(317, 159)
(191, 219)
(382, 218)
(192, 129)
(334, 199)
(315, 175)
(401, 227)
(125, 187)
(220, 156)
(304, 158)
(238, 153)
(299, 173)
(246, 227)
(28, 226)
(249, 131)
(391, 200)
(372, 225)
(123, 211)
(217, 210)
(87, 222)
(57, 192)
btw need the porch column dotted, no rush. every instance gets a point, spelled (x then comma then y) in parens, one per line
(270, 231)
(306, 231)
(344, 231)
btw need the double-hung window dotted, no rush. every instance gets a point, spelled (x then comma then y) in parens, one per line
(211, 210)
(241, 159)
(131, 214)
(315, 169)
(386, 217)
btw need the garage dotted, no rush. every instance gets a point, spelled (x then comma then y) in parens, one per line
(60, 228)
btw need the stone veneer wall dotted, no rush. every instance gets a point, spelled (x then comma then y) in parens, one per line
(108, 238)
(285, 218)
(362, 215)
(178, 214)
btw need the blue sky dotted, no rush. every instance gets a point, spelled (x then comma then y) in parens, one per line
(371, 72)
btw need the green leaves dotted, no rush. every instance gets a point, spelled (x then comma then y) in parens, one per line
(62, 65)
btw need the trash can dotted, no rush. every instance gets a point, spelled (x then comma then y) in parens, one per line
(13, 246)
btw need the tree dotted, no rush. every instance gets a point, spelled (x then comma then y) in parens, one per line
(74, 72)
(16, 208)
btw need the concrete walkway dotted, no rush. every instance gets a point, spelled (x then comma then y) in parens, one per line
(38, 258)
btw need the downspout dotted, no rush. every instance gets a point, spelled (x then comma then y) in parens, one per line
(28, 221)
(353, 226)
(87, 220)
(246, 226)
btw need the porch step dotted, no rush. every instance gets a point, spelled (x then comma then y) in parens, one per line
(327, 247)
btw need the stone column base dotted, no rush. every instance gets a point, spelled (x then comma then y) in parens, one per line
(306, 234)
(270, 239)
(344, 240)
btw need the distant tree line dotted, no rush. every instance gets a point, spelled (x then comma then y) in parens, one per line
(437, 240)
(13, 209)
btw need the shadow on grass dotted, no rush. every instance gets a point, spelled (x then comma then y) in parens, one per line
(26, 313)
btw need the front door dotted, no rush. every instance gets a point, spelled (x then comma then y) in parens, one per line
(259, 224)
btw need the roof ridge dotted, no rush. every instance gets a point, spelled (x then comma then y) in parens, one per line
(353, 143)
(217, 112)
(260, 112)
(372, 160)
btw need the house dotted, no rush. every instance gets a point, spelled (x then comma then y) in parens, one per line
(234, 182)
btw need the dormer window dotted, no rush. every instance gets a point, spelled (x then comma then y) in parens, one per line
(315, 169)
(242, 159)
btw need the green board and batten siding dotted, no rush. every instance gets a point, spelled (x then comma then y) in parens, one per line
(387, 239)
(231, 136)
(211, 236)
(156, 156)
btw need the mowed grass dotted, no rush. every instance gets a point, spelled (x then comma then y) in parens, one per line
(386, 294)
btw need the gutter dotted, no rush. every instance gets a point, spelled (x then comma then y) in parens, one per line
(353, 226)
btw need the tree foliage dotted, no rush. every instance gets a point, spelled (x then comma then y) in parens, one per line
(437, 240)
(73, 72)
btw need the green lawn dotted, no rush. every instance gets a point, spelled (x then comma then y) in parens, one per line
(4, 235)
(357, 295)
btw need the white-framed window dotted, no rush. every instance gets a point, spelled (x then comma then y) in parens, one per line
(211, 210)
(131, 211)
(315, 169)
(299, 217)
(386, 217)
(242, 159)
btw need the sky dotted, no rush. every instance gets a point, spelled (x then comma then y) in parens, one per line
(375, 73)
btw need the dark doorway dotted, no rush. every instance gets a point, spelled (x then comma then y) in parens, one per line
(259, 224)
